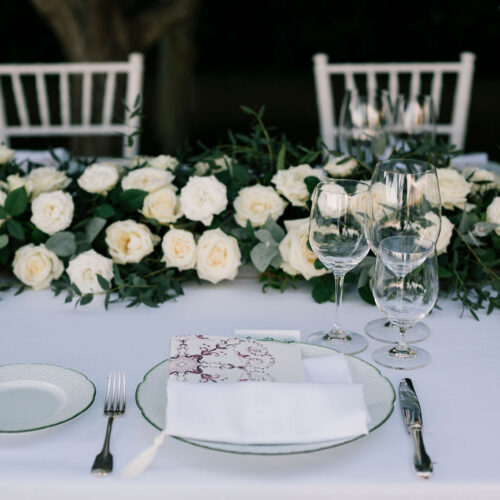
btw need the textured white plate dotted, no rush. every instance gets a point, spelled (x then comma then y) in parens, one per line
(379, 396)
(36, 396)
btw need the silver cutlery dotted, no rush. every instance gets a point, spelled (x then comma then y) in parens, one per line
(412, 415)
(114, 406)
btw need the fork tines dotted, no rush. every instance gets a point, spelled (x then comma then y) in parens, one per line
(114, 403)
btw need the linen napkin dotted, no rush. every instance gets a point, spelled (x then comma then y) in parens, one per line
(323, 405)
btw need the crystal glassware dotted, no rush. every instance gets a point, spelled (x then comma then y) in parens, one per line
(363, 124)
(337, 237)
(405, 287)
(404, 200)
(413, 118)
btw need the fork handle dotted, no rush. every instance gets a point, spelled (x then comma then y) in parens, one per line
(103, 463)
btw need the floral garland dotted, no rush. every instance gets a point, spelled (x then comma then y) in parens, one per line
(136, 233)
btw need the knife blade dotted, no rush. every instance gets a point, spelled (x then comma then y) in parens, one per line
(412, 415)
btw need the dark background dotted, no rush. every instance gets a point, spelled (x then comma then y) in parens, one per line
(260, 52)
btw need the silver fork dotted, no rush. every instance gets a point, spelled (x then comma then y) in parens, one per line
(114, 406)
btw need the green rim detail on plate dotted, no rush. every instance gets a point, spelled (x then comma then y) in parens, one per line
(247, 449)
(73, 414)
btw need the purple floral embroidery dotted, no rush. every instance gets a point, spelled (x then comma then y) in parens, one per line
(198, 358)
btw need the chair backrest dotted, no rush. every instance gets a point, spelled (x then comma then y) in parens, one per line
(464, 69)
(57, 118)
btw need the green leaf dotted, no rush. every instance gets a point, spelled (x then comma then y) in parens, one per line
(321, 292)
(311, 183)
(262, 254)
(4, 240)
(266, 237)
(105, 211)
(105, 284)
(444, 273)
(16, 202)
(132, 200)
(280, 161)
(366, 294)
(63, 244)
(276, 230)
(15, 229)
(94, 227)
(86, 299)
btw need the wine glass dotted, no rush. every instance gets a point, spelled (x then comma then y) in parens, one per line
(337, 237)
(413, 119)
(405, 287)
(363, 124)
(404, 200)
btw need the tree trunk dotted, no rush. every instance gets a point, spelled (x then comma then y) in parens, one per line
(108, 30)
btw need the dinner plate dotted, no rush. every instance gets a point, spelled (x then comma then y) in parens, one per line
(36, 396)
(379, 396)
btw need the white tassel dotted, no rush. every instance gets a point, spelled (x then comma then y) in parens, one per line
(142, 461)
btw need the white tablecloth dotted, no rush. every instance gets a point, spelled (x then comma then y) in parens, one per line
(459, 393)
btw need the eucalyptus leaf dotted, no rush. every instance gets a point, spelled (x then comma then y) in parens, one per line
(4, 240)
(63, 244)
(277, 232)
(93, 227)
(262, 255)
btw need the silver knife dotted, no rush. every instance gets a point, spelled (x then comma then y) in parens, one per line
(412, 415)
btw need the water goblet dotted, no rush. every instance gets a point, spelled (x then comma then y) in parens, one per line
(405, 287)
(404, 200)
(337, 237)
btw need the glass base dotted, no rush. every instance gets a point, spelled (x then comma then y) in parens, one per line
(351, 343)
(393, 358)
(382, 329)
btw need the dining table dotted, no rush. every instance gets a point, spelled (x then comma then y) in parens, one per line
(458, 393)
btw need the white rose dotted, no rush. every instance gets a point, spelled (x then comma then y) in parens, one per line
(15, 181)
(179, 249)
(137, 161)
(453, 188)
(290, 183)
(344, 169)
(36, 266)
(147, 179)
(221, 164)
(444, 235)
(83, 271)
(202, 198)
(493, 213)
(487, 179)
(331, 205)
(6, 154)
(297, 258)
(52, 212)
(219, 256)
(256, 204)
(46, 179)
(164, 162)
(129, 241)
(3, 197)
(99, 178)
(162, 205)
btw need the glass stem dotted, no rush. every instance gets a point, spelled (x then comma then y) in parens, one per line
(339, 287)
(401, 345)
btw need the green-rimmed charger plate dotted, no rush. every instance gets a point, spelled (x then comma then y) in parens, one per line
(35, 396)
(379, 397)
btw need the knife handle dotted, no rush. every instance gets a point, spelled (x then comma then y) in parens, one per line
(421, 460)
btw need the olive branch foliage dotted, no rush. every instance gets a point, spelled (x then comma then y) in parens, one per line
(469, 270)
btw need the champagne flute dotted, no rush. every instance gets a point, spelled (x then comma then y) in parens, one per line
(363, 124)
(405, 287)
(337, 237)
(404, 200)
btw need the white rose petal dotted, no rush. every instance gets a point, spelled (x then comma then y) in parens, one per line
(297, 258)
(453, 188)
(179, 249)
(6, 154)
(99, 178)
(147, 179)
(344, 169)
(221, 164)
(202, 198)
(36, 266)
(129, 241)
(3, 197)
(15, 181)
(162, 205)
(219, 256)
(256, 204)
(493, 213)
(52, 212)
(290, 183)
(46, 179)
(164, 162)
(444, 235)
(83, 271)
(486, 178)
(331, 205)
